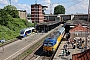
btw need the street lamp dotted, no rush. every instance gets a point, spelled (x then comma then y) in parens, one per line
(86, 35)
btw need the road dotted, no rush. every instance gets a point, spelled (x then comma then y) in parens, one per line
(11, 50)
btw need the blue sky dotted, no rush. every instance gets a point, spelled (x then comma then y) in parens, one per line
(71, 6)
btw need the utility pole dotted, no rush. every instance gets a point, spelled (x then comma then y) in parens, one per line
(87, 25)
(10, 2)
(89, 12)
(51, 8)
(35, 1)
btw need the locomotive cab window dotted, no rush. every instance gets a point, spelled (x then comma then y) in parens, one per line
(28, 31)
(50, 44)
(33, 30)
(22, 32)
(45, 44)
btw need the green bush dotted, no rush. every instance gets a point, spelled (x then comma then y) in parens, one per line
(13, 28)
(10, 23)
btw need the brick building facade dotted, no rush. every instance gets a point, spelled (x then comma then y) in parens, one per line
(37, 15)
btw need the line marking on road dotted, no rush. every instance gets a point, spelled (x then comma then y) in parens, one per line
(21, 49)
(17, 52)
(29, 44)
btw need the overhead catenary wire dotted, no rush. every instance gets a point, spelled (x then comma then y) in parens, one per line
(56, 3)
(75, 4)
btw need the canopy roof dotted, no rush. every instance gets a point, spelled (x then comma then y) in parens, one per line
(78, 27)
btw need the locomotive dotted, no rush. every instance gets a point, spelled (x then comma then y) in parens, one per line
(51, 43)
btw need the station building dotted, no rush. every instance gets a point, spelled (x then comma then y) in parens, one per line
(82, 32)
(79, 30)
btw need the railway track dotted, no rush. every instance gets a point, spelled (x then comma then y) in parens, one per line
(29, 53)
(37, 53)
(42, 56)
(13, 40)
(10, 41)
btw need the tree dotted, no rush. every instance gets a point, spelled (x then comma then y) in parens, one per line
(28, 15)
(4, 17)
(12, 10)
(59, 10)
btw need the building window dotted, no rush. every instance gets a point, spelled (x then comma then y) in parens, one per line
(35, 6)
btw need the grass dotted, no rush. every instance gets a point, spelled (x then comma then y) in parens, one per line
(9, 41)
(12, 29)
(31, 49)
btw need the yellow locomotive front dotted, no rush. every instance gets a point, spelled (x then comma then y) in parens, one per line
(52, 42)
(50, 45)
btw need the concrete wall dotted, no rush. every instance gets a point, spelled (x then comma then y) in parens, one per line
(22, 14)
(80, 17)
(75, 17)
(51, 18)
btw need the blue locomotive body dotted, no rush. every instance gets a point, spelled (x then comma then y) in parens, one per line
(51, 43)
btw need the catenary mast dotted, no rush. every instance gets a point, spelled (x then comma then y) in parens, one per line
(10, 2)
(89, 11)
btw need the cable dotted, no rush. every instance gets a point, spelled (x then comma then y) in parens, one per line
(66, 2)
(75, 3)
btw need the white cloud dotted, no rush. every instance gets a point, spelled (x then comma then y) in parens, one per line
(46, 1)
(0, 7)
(4, 2)
(54, 5)
(24, 7)
(77, 6)
(81, 7)
(14, 1)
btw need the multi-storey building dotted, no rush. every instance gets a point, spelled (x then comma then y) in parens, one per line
(37, 15)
